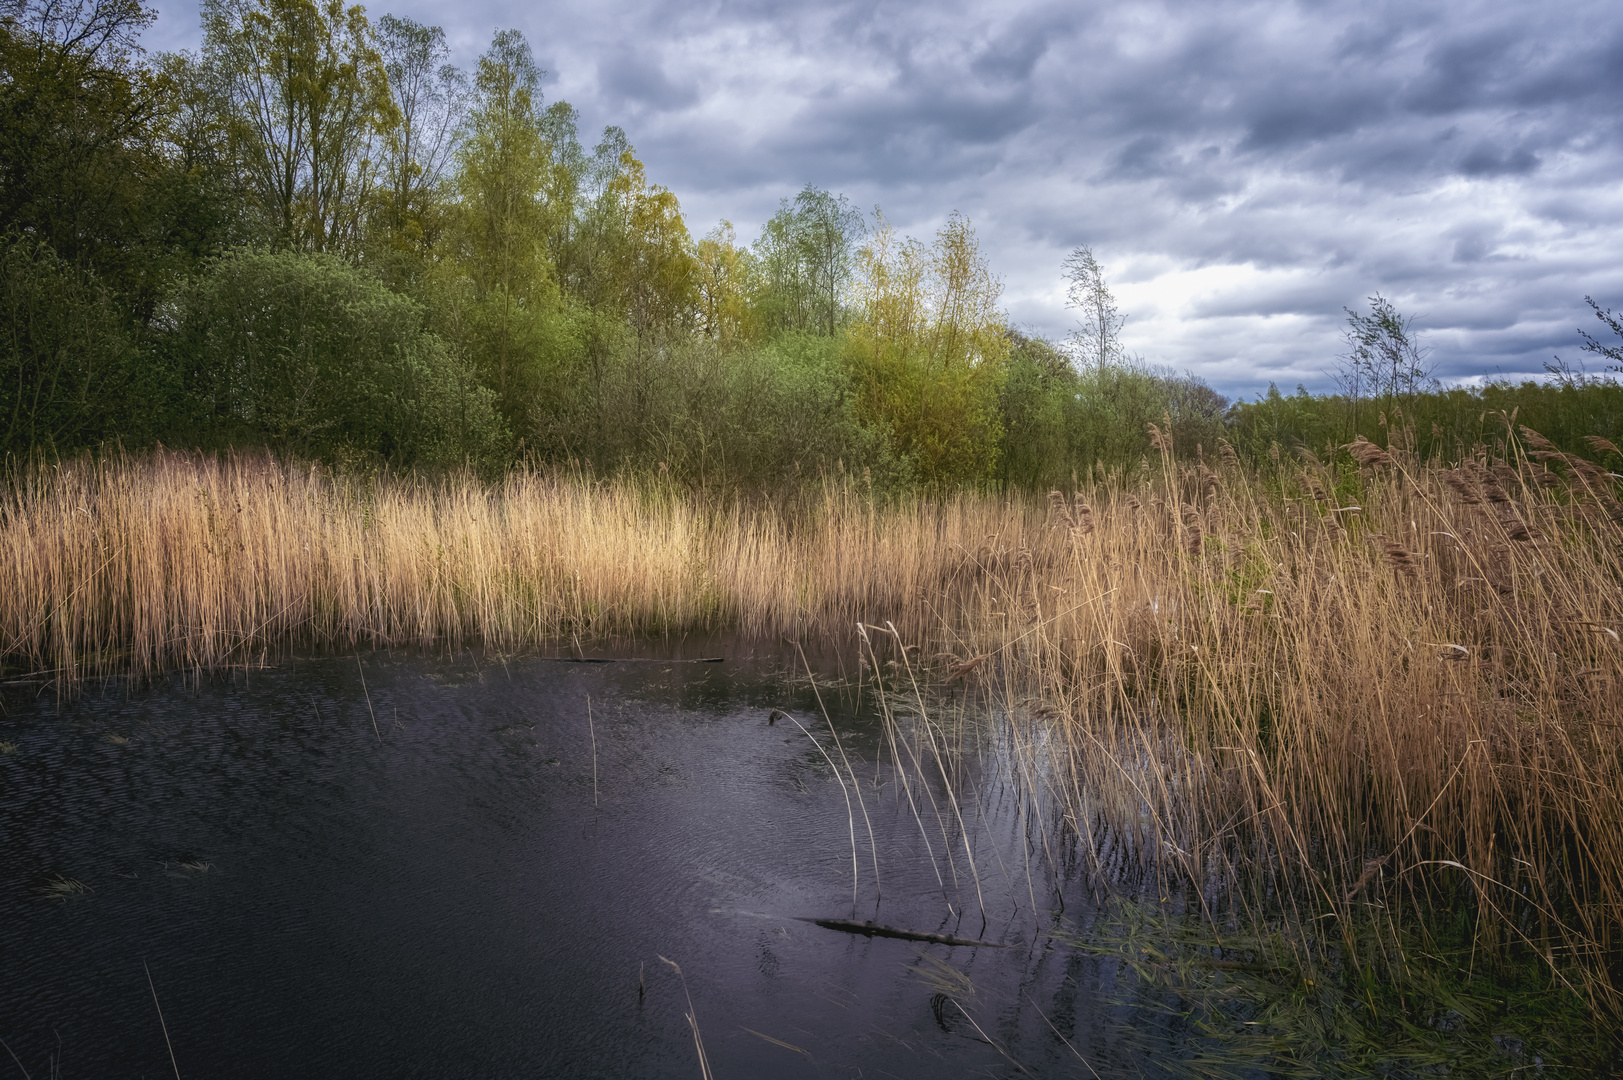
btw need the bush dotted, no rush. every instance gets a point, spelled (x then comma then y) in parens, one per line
(1445, 424)
(309, 354)
(66, 360)
(751, 419)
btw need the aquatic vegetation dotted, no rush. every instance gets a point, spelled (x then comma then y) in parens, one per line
(134, 565)
(1365, 709)
(1385, 731)
(1244, 1006)
(60, 887)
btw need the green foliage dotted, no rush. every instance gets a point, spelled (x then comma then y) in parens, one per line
(76, 119)
(308, 354)
(90, 160)
(804, 262)
(430, 98)
(928, 352)
(1038, 394)
(1384, 361)
(308, 95)
(757, 418)
(508, 269)
(1445, 424)
(499, 240)
(1385, 1000)
(67, 364)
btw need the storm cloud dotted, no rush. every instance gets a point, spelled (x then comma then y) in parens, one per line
(1243, 171)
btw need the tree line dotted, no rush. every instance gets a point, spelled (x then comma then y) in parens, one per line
(318, 236)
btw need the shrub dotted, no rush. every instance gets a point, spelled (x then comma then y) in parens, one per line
(66, 360)
(309, 354)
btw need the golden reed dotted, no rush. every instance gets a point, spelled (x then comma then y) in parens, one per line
(1319, 696)
(1313, 710)
(137, 564)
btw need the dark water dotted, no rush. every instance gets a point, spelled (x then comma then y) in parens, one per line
(444, 894)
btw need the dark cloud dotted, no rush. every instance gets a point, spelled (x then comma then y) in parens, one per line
(1244, 170)
(638, 77)
(1013, 55)
(1489, 160)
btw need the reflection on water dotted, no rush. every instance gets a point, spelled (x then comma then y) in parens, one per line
(472, 867)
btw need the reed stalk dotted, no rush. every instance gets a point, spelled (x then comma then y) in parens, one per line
(1383, 689)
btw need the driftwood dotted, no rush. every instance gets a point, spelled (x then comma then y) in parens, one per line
(628, 660)
(873, 929)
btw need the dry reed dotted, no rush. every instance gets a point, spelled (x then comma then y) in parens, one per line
(1315, 718)
(134, 565)
(1403, 703)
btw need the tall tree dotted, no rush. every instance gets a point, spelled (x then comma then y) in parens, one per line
(78, 129)
(633, 253)
(722, 273)
(929, 350)
(806, 257)
(1384, 357)
(502, 230)
(431, 99)
(566, 174)
(310, 101)
(1096, 343)
(656, 264)
(828, 227)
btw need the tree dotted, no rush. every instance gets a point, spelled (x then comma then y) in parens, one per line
(1384, 357)
(827, 227)
(431, 98)
(721, 278)
(634, 255)
(567, 171)
(79, 136)
(1610, 352)
(65, 357)
(502, 221)
(806, 255)
(1039, 388)
(1096, 343)
(308, 353)
(929, 349)
(199, 208)
(309, 102)
(658, 269)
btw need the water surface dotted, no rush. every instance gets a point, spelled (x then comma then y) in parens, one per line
(470, 866)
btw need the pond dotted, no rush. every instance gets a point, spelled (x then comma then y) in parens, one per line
(400, 865)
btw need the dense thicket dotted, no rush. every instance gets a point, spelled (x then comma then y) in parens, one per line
(317, 236)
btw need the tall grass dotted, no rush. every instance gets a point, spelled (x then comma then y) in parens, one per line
(1357, 705)
(137, 564)
(1401, 713)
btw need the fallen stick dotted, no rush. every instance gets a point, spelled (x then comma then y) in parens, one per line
(873, 929)
(628, 660)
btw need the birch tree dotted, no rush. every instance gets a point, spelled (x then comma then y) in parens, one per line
(1095, 343)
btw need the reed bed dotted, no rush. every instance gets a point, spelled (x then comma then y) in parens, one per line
(1357, 706)
(1352, 705)
(135, 565)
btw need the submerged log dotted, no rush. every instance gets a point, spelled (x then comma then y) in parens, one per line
(628, 660)
(873, 929)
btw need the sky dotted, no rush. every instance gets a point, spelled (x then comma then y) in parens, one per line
(1243, 172)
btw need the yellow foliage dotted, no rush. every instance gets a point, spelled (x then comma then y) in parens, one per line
(721, 280)
(929, 350)
(655, 270)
